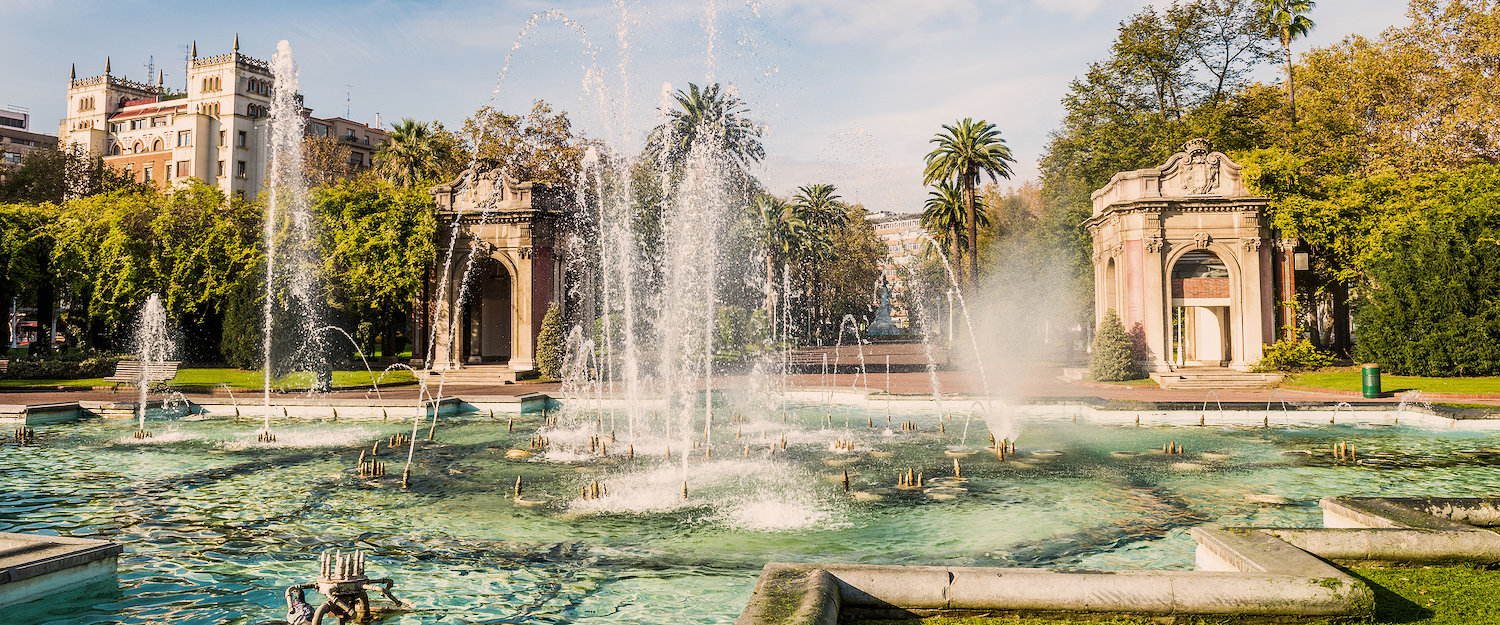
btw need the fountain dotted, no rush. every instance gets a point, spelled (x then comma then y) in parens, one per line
(153, 346)
(291, 261)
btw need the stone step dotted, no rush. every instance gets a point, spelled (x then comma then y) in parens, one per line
(1216, 378)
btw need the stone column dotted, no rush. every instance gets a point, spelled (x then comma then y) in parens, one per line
(523, 337)
(1251, 339)
(1288, 291)
(1157, 303)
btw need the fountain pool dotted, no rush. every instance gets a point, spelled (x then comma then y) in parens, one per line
(216, 525)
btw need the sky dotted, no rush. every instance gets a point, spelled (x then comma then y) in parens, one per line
(849, 91)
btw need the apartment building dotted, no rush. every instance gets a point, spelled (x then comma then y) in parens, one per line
(217, 131)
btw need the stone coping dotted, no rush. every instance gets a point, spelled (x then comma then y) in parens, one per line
(1254, 574)
(807, 594)
(24, 556)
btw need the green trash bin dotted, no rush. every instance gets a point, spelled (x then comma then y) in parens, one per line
(1371, 378)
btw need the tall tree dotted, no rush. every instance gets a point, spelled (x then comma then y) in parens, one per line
(538, 147)
(944, 216)
(1287, 21)
(780, 230)
(965, 151)
(412, 154)
(709, 114)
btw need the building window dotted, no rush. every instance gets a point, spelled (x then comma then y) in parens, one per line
(184, 138)
(13, 158)
(136, 149)
(156, 145)
(241, 139)
(350, 134)
(239, 169)
(170, 173)
(114, 150)
(184, 169)
(137, 124)
(223, 139)
(221, 169)
(117, 126)
(158, 121)
(147, 172)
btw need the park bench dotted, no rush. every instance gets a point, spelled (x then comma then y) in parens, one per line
(808, 358)
(129, 372)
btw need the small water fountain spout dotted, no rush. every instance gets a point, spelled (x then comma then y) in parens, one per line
(343, 582)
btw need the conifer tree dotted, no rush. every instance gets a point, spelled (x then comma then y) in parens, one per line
(1113, 355)
(550, 345)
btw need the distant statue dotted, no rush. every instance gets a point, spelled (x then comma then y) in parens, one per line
(883, 325)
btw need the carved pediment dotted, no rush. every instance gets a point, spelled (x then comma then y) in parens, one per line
(1196, 173)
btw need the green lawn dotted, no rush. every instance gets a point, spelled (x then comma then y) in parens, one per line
(235, 378)
(1348, 379)
(1437, 595)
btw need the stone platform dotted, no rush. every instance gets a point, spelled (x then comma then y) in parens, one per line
(34, 567)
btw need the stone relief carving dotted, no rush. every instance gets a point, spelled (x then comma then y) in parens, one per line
(1154, 243)
(1251, 244)
(1201, 240)
(1201, 175)
(1286, 245)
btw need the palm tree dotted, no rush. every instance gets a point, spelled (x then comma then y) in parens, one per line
(820, 205)
(943, 216)
(824, 212)
(707, 114)
(409, 155)
(1287, 20)
(964, 152)
(782, 231)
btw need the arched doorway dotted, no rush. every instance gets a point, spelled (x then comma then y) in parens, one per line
(1200, 310)
(488, 315)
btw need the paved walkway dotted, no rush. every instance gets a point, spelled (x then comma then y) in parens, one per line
(1032, 383)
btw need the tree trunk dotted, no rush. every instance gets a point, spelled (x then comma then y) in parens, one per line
(973, 231)
(45, 309)
(955, 256)
(771, 291)
(1291, 90)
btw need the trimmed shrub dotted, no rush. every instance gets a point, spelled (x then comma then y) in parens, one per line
(1298, 355)
(93, 366)
(551, 343)
(1113, 355)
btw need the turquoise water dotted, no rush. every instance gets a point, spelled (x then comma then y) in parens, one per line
(216, 526)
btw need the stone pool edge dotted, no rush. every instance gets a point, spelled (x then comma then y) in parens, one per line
(1249, 574)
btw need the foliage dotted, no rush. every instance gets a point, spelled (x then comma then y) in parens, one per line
(852, 267)
(1432, 304)
(192, 246)
(50, 174)
(964, 152)
(376, 242)
(1298, 355)
(713, 115)
(325, 161)
(1113, 356)
(91, 366)
(551, 344)
(943, 216)
(1287, 21)
(241, 340)
(539, 147)
(416, 153)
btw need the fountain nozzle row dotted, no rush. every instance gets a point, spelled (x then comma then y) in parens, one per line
(25, 435)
